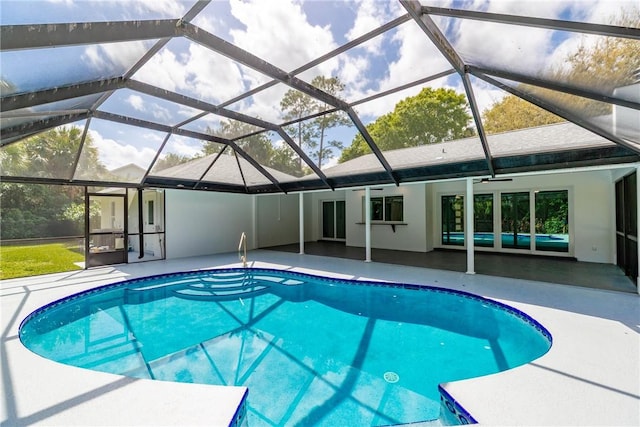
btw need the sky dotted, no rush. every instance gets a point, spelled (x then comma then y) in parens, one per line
(289, 34)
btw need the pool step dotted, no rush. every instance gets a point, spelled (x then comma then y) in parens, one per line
(221, 292)
(218, 287)
(224, 287)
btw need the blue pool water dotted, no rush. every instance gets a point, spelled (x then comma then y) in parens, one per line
(312, 350)
(544, 242)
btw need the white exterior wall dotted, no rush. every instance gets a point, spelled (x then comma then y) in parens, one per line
(409, 237)
(108, 222)
(618, 174)
(277, 219)
(203, 223)
(200, 223)
(594, 217)
(313, 212)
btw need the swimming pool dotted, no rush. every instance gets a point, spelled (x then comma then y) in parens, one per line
(311, 350)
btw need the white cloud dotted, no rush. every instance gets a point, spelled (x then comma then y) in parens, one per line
(212, 76)
(114, 154)
(169, 8)
(114, 57)
(417, 58)
(369, 16)
(484, 94)
(136, 102)
(205, 22)
(184, 111)
(163, 70)
(264, 104)
(351, 73)
(200, 72)
(162, 114)
(279, 32)
(504, 46)
(183, 146)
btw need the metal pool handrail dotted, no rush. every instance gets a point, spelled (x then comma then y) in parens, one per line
(242, 249)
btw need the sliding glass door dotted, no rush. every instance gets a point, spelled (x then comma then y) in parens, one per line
(334, 220)
(516, 232)
(453, 220)
(535, 221)
(552, 221)
(483, 220)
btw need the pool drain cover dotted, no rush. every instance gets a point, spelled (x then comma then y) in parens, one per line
(391, 377)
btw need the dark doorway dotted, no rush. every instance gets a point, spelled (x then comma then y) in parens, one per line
(627, 225)
(333, 220)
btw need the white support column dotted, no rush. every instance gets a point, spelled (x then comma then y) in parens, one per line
(367, 223)
(301, 221)
(637, 221)
(254, 214)
(468, 227)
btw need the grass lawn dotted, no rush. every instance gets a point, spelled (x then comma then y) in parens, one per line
(21, 261)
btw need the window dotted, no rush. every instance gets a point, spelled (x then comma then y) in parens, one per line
(150, 213)
(377, 204)
(386, 209)
(393, 207)
(453, 220)
(552, 221)
(113, 215)
(531, 220)
(515, 220)
(483, 220)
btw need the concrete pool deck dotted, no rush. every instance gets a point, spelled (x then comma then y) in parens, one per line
(591, 375)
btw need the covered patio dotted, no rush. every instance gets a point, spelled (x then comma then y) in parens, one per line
(565, 271)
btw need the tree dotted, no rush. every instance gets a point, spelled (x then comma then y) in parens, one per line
(322, 124)
(257, 145)
(602, 66)
(52, 154)
(44, 210)
(609, 63)
(312, 134)
(13, 160)
(432, 116)
(295, 105)
(285, 160)
(170, 160)
(512, 112)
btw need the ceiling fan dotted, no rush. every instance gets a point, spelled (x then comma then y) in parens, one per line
(488, 180)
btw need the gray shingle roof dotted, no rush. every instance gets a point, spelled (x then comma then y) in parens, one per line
(556, 137)
(224, 170)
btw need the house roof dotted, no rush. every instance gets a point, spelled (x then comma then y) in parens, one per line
(556, 146)
(145, 83)
(217, 170)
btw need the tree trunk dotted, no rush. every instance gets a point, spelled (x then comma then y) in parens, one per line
(321, 146)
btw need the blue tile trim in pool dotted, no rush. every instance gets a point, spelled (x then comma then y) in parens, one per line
(241, 412)
(451, 411)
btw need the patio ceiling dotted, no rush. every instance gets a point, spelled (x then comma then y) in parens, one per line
(193, 94)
